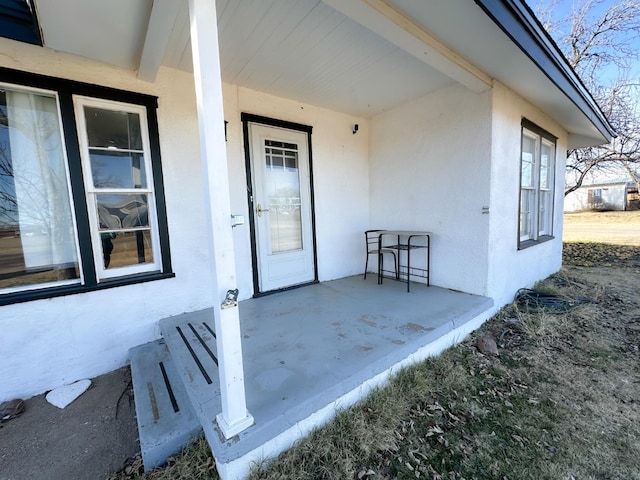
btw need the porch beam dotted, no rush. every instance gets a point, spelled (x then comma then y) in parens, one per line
(208, 86)
(382, 18)
(161, 21)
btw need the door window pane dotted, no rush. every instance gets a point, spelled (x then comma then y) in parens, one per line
(282, 181)
(37, 233)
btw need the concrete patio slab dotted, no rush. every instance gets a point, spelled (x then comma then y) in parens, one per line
(314, 349)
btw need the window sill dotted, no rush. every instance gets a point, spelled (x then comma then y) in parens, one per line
(531, 243)
(63, 290)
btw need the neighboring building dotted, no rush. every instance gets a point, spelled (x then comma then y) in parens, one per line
(612, 194)
(131, 136)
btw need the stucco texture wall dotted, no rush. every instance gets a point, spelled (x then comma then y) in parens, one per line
(429, 170)
(428, 165)
(48, 343)
(340, 180)
(510, 268)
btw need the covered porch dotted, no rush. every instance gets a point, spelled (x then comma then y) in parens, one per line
(307, 352)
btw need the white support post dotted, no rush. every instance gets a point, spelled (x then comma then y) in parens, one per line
(208, 84)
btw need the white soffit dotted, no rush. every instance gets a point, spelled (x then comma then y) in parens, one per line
(111, 31)
(356, 56)
(310, 52)
(470, 32)
(393, 25)
(161, 22)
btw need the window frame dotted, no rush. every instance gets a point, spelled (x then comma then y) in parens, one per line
(91, 191)
(540, 230)
(74, 281)
(65, 91)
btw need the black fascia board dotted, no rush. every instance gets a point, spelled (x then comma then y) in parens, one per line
(520, 24)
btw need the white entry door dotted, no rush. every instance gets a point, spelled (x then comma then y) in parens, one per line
(281, 202)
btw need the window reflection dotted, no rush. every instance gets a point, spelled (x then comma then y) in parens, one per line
(37, 234)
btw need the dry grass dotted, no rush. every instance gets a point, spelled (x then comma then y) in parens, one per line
(603, 218)
(619, 228)
(560, 402)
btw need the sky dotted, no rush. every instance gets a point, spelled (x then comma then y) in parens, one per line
(605, 77)
(562, 10)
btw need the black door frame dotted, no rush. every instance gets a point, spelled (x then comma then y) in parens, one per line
(246, 119)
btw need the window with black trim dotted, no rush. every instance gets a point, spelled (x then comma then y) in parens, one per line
(537, 167)
(81, 192)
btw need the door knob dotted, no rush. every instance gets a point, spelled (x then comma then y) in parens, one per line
(260, 210)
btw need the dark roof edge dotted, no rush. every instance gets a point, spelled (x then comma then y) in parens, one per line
(19, 21)
(520, 24)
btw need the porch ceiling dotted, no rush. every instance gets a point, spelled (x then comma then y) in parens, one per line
(303, 50)
(360, 57)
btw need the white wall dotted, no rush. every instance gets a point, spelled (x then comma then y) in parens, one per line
(425, 165)
(510, 268)
(429, 170)
(48, 343)
(340, 175)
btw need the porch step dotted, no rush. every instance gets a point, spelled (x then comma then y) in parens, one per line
(166, 419)
(191, 339)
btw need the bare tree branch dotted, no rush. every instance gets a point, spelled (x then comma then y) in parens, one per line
(597, 37)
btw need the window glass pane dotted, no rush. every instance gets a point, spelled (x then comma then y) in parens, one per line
(286, 231)
(117, 211)
(526, 203)
(527, 173)
(528, 160)
(283, 190)
(276, 161)
(123, 249)
(114, 169)
(545, 163)
(37, 234)
(597, 195)
(113, 129)
(544, 219)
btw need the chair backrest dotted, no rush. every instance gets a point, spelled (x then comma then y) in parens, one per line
(372, 237)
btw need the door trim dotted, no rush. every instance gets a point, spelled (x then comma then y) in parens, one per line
(246, 119)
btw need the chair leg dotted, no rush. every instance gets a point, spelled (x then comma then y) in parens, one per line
(395, 265)
(366, 265)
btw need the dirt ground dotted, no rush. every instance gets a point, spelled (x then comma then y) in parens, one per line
(86, 440)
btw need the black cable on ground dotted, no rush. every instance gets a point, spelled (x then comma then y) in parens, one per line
(534, 300)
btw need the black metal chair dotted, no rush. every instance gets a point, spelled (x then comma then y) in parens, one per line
(373, 248)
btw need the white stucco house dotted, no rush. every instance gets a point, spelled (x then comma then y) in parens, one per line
(620, 193)
(157, 154)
